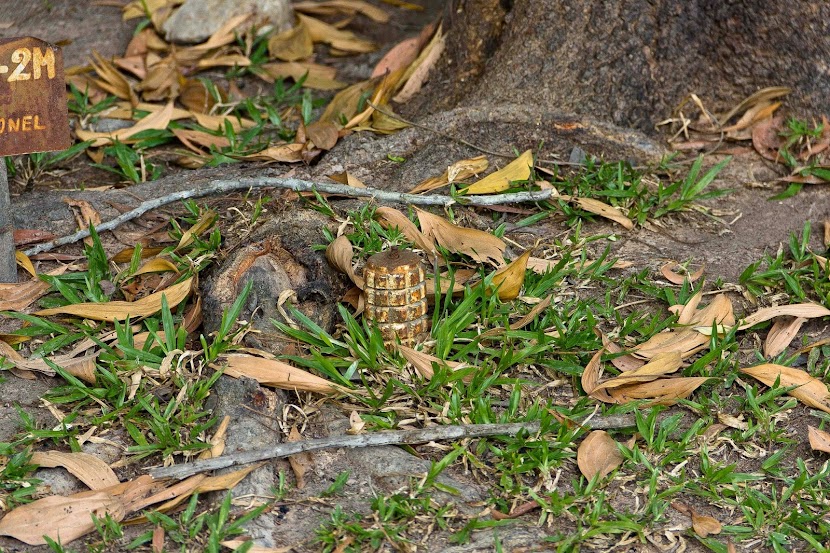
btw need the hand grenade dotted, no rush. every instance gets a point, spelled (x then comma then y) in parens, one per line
(396, 295)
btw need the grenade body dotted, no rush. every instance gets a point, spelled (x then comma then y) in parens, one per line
(396, 295)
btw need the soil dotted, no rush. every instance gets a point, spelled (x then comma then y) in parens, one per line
(746, 225)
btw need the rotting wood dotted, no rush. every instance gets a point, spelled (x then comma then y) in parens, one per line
(389, 437)
(298, 185)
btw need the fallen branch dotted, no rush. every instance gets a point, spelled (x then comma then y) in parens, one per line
(374, 439)
(222, 186)
(389, 437)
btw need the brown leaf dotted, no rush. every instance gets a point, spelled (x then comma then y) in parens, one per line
(810, 391)
(324, 134)
(291, 45)
(195, 96)
(217, 442)
(348, 7)
(392, 218)
(516, 170)
(334, 37)
(417, 73)
(662, 364)
(805, 310)
(271, 372)
(23, 237)
(398, 57)
(89, 469)
(665, 391)
(196, 140)
(111, 80)
(819, 439)
(340, 253)
(347, 179)
(704, 526)
(423, 362)
(319, 77)
(458, 171)
(17, 297)
(781, 334)
(766, 139)
(602, 209)
(285, 153)
(625, 362)
(676, 278)
(590, 378)
(300, 462)
(687, 342)
(60, 518)
(481, 246)
(598, 455)
(120, 310)
(510, 279)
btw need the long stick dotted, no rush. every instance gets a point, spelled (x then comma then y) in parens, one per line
(222, 186)
(389, 437)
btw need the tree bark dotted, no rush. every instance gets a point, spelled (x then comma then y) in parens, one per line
(631, 62)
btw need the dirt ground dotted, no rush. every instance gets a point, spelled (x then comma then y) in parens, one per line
(745, 226)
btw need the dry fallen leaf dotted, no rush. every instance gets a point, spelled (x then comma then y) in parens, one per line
(339, 253)
(676, 278)
(704, 525)
(598, 454)
(271, 372)
(819, 439)
(392, 218)
(60, 518)
(481, 246)
(300, 462)
(781, 334)
(418, 71)
(665, 391)
(510, 279)
(458, 171)
(120, 310)
(291, 45)
(157, 120)
(810, 391)
(423, 362)
(806, 310)
(660, 365)
(516, 170)
(89, 469)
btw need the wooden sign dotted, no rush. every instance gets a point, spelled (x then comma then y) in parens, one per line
(33, 112)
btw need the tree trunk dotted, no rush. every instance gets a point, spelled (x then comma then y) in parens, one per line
(631, 62)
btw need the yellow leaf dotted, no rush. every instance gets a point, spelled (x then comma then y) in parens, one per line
(291, 45)
(334, 37)
(511, 278)
(598, 455)
(157, 120)
(810, 391)
(24, 261)
(603, 210)
(157, 265)
(318, 77)
(120, 310)
(516, 170)
(458, 171)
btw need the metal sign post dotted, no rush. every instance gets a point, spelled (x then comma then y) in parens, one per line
(33, 118)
